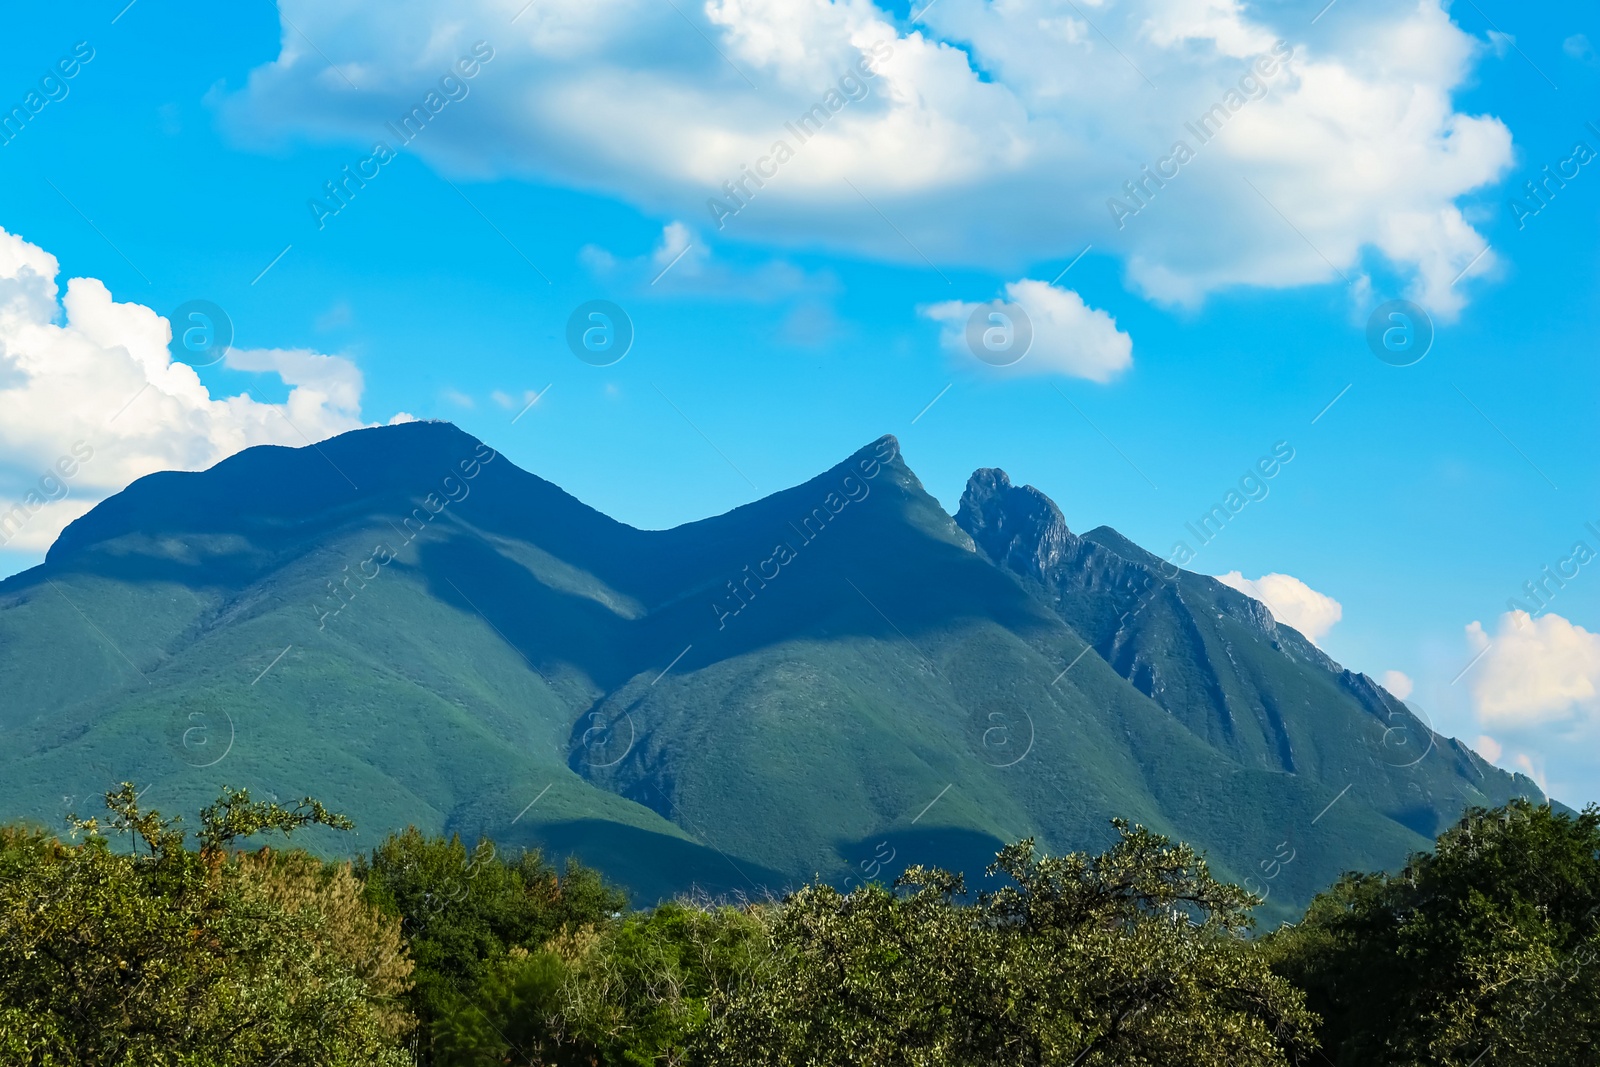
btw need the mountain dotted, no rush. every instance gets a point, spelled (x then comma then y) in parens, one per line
(839, 679)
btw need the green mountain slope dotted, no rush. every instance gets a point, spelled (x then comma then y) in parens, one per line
(839, 679)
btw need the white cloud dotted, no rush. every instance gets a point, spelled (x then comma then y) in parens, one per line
(321, 383)
(990, 133)
(1069, 336)
(1291, 602)
(1489, 748)
(1397, 682)
(1534, 671)
(82, 374)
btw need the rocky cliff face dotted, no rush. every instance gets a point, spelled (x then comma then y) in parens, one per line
(1017, 527)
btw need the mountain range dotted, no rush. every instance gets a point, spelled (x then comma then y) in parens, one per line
(836, 681)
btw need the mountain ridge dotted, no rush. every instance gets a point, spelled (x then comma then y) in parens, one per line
(401, 621)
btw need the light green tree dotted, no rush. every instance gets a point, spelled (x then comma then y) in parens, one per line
(159, 956)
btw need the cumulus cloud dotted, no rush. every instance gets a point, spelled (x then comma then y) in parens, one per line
(1489, 748)
(993, 134)
(1534, 671)
(1397, 682)
(1068, 336)
(88, 386)
(1291, 602)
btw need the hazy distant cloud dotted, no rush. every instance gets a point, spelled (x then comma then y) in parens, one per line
(1578, 47)
(1291, 601)
(337, 316)
(83, 370)
(1069, 337)
(1496, 753)
(992, 134)
(677, 250)
(681, 262)
(1397, 682)
(1534, 670)
(1534, 769)
(511, 403)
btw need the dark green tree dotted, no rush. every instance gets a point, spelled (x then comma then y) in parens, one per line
(1485, 951)
(463, 912)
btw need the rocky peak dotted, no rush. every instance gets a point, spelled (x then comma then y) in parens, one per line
(1017, 527)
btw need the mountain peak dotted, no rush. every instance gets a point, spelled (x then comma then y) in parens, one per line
(885, 449)
(1017, 527)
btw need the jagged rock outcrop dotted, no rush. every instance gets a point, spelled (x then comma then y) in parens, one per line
(1017, 527)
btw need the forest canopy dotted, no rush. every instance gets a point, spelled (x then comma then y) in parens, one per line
(127, 943)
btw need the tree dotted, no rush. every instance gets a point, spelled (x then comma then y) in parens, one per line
(511, 1017)
(361, 937)
(163, 956)
(631, 993)
(1484, 951)
(1135, 956)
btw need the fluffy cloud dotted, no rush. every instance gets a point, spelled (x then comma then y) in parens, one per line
(987, 133)
(1291, 602)
(88, 386)
(1069, 336)
(1534, 671)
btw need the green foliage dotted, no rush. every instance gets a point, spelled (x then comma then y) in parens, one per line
(642, 990)
(235, 815)
(512, 1016)
(1481, 953)
(463, 912)
(169, 959)
(1484, 951)
(1130, 957)
(631, 993)
(358, 934)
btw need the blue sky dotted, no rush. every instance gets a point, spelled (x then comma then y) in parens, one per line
(975, 164)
